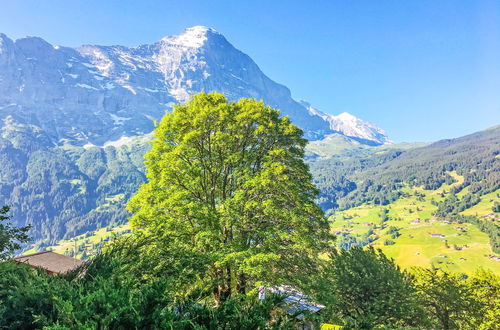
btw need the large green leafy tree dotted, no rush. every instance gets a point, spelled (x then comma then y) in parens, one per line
(227, 181)
(11, 237)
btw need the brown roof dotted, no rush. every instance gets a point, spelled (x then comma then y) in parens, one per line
(50, 261)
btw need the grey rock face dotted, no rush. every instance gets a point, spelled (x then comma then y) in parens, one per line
(97, 94)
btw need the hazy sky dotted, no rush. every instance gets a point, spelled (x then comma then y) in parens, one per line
(422, 70)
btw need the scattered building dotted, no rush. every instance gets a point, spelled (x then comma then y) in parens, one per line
(51, 262)
(496, 258)
(415, 222)
(436, 235)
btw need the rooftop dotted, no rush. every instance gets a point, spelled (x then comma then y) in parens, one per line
(53, 263)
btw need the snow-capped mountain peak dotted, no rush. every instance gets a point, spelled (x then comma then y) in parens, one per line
(346, 116)
(351, 126)
(193, 37)
(96, 94)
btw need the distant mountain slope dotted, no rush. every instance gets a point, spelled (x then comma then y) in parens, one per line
(352, 127)
(376, 176)
(67, 190)
(96, 94)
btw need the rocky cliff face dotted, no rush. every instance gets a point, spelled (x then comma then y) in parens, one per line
(98, 94)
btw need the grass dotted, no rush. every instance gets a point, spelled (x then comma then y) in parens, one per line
(461, 249)
(87, 244)
(484, 207)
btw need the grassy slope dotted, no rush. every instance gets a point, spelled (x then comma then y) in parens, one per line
(483, 208)
(415, 246)
(86, 242)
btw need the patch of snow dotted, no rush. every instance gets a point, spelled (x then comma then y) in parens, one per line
(151, 90)
(191, 37)
(109, 85)
(8, 105)
(86, 86)
(350, 125)
(118, 120)
(130, 89)
(72, 75)
(89, 145)
(120, 142)
(180, 94)
(232, 75)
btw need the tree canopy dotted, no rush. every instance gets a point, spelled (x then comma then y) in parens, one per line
(227, 181)
(10, 237)
(367, 290)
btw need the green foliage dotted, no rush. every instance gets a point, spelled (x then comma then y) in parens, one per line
(11, 238)
(103, 295)
(486, 288)
(227, 183)
(496, 207)
(366, 290)
(119, 289)
(449, 299)
(389, 242)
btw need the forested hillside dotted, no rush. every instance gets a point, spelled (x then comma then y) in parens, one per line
(377, 176)
(436, 204)
(67, 190)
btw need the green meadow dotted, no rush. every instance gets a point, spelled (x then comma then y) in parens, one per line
(84, 246)
(423, 239)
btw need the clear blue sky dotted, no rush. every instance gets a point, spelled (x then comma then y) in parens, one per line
(422, 70)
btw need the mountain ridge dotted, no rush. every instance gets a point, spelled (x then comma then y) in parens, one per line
(97, 94)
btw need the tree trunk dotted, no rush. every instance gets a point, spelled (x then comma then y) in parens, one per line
(241, 285)
(222, 288)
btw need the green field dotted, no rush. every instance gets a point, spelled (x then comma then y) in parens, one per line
(484, 207)
(84, 246)
(457, 247)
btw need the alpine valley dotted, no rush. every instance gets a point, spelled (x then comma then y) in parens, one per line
(75, 124)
